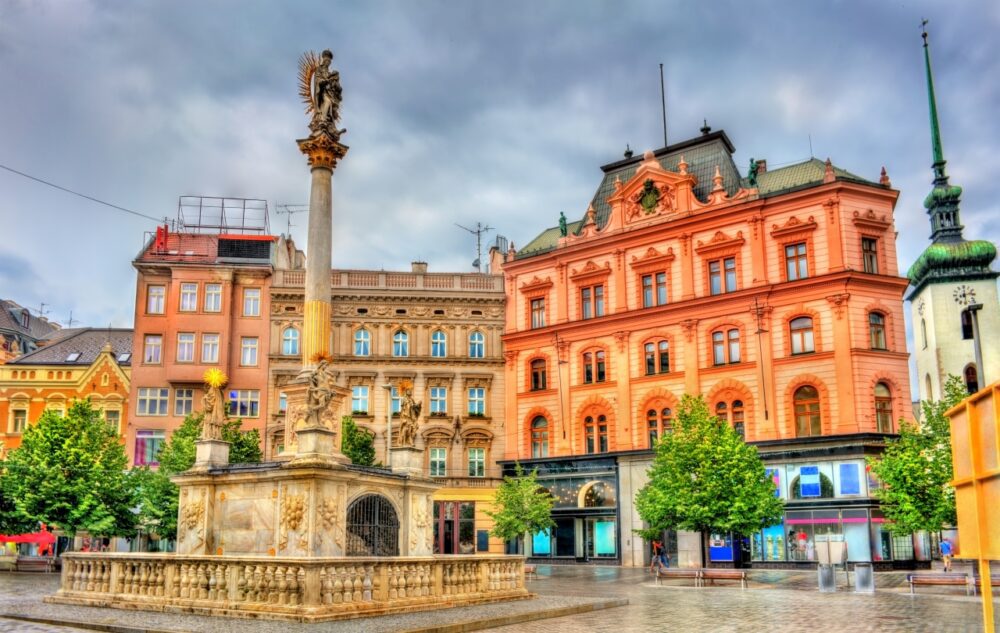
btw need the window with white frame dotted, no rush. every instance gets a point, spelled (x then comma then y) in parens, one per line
(251, 302)
(359, 399)
(282, 402)
(477, 401)
(152, 401)
(439, 400)
(439, 345)
(244, 403)
(395, 400)
(156, 297)
(248, 351)
(439, 461)
(477, 345)
(18, 420)
(801, 331)
(362, 342)
(209, 348)
(152, 349)
(290, 342)
(477, 462)
(189, 297)
(114, 418)
(185, 347)
(183, 401)
(213, 297)
(400, 343)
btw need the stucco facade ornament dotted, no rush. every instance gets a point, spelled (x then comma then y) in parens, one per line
(839, 302)
(192, 513)
(293, 511)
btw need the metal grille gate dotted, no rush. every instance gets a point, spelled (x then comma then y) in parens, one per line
(372, 527)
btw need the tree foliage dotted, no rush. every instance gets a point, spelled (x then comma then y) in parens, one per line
(705, 478)
(70, 472)
(916, 468)
(522, 506)
(159, 496)
(357, 443)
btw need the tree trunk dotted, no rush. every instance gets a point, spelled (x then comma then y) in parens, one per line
(704, 548)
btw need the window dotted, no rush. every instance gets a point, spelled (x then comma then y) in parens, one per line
(400, 343)
(722, 275)
(971, 379)
(251, 302)
(477, 345)
(592, 301)
(439, 462)
(152, 401)
(657, 356)
(883, 408)
(155, 299)
(395, 400)
(807, 418)
(185, 347)
(869, 254)
(189, 297)
(359, 399)
(19, 420)
(152, 349)
(537, 313)
(147, 445)
(538, 374)
(967, 325)
(477, 401)
(876, 330)
(213, 297)
(282, 402)
(796, 263)
(739, 424)
(244, 403)
(183, 401)
(439, 400)
(659, 422)
(362, 342)
(596, 433)
(539, 437)
(654, 289)
(801, 330)
(477, 462)
(439, 346)
(248, 351)
(114, 418)
(726, 346)
(290, 342)
(594, 368)
(209, 348)
(923, 333)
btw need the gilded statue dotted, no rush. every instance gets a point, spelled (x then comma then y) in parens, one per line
(409, 413)
(319, 87)
(319, 394)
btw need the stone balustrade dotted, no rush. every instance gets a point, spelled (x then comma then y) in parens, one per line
(313, 589)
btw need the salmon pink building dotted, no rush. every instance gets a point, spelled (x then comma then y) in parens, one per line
(774, 295)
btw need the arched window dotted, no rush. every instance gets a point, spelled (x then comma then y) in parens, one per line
(876, 330)
(596, 434)
(439, 346)
(923, 332)
(362, 342)
(883, 408)
(594, 367)
(659, 422)
(971, 378)
(538, 374)
(539, 437)
(290, 341)
(966, 324)
(807, 419)
(400, 343)
(801, 330)
(726, 346)
(477, 345)
(657, 357)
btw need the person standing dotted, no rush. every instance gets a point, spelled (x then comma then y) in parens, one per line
(657, 558)
(946, 552)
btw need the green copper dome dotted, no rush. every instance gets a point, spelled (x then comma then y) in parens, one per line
(953, 259)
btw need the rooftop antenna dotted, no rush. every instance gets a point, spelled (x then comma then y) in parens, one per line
(811, 146)
(70, 321)
(663, 102)
(478, 232)
(41, 309)
(290, 210)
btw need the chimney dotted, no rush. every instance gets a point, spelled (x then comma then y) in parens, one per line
(418, 267)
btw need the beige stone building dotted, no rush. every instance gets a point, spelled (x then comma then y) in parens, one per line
(441, 331)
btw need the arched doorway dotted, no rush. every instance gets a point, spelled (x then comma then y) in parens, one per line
(372, 527)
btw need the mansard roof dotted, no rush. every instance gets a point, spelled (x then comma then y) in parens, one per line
(87, 342)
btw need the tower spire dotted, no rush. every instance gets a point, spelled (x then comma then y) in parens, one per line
(936, 149)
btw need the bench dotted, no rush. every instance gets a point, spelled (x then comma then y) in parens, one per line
(530, 571)
(940, 579)
(712, 575)
(678, 572)
(36, 563)
(977, 583)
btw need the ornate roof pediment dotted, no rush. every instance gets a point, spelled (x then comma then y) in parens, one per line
(589, 270)
(793, 228)
(872, 221)
(720, 242)
(536, 285)
(652, 258)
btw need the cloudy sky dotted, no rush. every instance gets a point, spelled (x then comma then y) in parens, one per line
(457, 112)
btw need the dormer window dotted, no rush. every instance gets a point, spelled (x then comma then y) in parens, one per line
(73, 357)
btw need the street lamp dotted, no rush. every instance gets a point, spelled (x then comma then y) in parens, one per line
(977, 344)
(388, 417)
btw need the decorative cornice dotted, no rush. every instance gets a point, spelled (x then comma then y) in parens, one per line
(794, 228)
(720, 242)
(590, 271)
(652, 258)
(322, 150)
(536, 285)
(872, 221)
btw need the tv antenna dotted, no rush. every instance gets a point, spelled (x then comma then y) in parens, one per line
(41, 309)
(290, 210)
(478, 232)
(70, 321)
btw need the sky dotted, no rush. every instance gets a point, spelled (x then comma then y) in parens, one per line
(456, 113)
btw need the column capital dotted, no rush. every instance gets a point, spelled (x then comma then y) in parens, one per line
(322, 150)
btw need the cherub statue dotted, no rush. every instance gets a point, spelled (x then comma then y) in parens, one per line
(319, 394)
(319, 87)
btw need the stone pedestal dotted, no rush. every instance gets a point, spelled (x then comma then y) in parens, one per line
(210, 454)
(321, 443)
(407, 460)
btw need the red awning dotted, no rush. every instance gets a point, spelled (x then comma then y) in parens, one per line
(35, 537)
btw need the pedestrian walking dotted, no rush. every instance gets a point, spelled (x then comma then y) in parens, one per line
(946, 552)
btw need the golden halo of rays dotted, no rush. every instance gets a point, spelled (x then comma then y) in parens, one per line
(215, 378)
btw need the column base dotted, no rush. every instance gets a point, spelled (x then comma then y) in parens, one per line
(210, 454)
(407, 460)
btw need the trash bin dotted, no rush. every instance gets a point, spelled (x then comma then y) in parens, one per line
(827, 578)
(864, 578)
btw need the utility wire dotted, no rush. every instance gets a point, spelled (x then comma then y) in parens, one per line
(82, 195)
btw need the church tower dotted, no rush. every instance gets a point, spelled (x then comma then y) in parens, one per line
(953, 290)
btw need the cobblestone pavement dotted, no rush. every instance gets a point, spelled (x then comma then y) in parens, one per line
(776, 601)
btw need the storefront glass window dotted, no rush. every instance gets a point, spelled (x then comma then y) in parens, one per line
(881, 538)
(855, 524)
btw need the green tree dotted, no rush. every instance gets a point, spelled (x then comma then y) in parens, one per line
(705, 478)
(522, 506)
(70, 471)
(159, 496)
(357, 443)
(916, 468)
